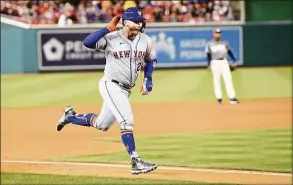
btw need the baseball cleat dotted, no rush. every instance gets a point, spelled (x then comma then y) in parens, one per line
(63, 120)
(139, 166)
(234, 101)
(219, 101)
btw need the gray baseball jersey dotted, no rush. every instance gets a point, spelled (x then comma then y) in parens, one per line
(218, 49)
(124, 58)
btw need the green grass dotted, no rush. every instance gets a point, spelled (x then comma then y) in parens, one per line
(264, 150)
(22, 178)
(169, 86)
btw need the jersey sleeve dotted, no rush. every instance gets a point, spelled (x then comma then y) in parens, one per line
(207, 49)
(104, 42)
(101, 44)
(150, 51)
(228, 46)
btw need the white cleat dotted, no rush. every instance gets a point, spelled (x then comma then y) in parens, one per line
(234, 101)
(139, 166)
(63, 120)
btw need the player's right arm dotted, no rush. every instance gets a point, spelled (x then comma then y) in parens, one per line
(96, 40)
(209, 54)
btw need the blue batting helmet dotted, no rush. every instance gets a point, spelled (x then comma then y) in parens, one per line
(134, 14)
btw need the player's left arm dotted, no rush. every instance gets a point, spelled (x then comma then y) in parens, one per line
(230, 53)
(147, 84)
(149, 67)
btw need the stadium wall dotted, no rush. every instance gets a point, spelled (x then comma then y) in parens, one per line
(18, 49)
(268, 10)
(263, 45)
(268, 44)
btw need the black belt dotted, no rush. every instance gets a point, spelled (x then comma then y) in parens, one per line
(219, 59)
(123, 85)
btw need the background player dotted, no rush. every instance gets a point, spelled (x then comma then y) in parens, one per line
(217, 51)
(126, 51)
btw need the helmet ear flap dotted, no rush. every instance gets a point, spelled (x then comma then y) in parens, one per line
(143, 27)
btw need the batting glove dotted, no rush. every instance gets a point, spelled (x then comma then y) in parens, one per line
(113, 23)
(146, 87)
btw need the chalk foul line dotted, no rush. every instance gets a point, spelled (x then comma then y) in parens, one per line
(168, 168)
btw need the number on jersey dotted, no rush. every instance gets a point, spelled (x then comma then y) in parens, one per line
(139, 66)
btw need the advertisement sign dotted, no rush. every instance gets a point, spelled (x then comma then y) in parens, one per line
(179, 47)
(64, 50)
(175, 47)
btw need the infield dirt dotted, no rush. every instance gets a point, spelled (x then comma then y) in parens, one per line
(29, 134)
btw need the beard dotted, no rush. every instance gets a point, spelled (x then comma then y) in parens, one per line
(133, 32)
(132, 28)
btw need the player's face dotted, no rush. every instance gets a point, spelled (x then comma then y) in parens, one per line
(217, 36)
(133, 27)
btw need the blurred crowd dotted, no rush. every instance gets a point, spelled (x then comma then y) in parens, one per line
(65, 12)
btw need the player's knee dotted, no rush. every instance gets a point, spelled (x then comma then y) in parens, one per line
(101, 125)
(127, 123)
(103, 128)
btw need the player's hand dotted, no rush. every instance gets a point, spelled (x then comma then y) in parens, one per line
(235, 64)
(146, 87)
(113, 23)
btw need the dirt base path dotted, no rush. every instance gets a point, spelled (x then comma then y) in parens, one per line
(170, 173)
(30, 135)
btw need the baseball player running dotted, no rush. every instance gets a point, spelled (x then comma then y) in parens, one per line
(126, 51)
(217, 51)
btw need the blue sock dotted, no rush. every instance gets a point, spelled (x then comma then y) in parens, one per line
(82, 119)
(129, 143)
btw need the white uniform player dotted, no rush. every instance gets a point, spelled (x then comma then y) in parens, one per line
(126, 52)
(217, 51)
